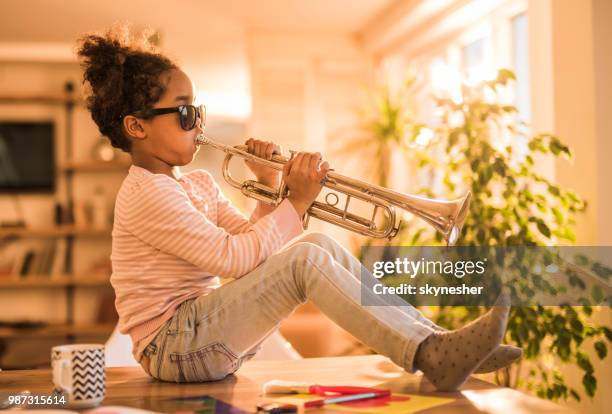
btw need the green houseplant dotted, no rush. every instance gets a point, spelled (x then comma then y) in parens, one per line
(481, 145)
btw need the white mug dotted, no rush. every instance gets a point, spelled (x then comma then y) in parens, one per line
(78, 373)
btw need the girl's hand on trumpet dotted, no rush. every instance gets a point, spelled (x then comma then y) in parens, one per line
(263, 149)
(303, 174)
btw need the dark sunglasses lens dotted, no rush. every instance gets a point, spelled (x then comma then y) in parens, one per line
(188, 117)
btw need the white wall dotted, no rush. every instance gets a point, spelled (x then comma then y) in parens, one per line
(305, 88)
(602, 37)
(571, 88)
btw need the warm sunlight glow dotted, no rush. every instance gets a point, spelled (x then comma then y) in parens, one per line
(424, 137)
(500, 401)
(231, 105)
(446, 80)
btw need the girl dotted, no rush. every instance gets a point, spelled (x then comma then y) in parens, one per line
(175, 234)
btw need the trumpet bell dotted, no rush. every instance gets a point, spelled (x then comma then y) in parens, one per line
(458, 219)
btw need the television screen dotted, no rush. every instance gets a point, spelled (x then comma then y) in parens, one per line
(27, 161)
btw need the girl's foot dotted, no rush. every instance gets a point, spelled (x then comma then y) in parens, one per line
(448, 358)
(501, 357)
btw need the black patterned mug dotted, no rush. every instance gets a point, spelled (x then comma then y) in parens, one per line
(78, 373)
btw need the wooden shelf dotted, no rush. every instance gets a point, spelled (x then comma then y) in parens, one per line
(58, 331)
(57, 231)
(46, 281)
(95, 166)
(68, 100)
(40, 99)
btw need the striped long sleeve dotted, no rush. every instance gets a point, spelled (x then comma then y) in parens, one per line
(172, 238)
(228, 216)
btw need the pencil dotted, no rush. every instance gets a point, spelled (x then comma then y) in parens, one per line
(346, 398)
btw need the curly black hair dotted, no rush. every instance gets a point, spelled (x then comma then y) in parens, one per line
(124, 74)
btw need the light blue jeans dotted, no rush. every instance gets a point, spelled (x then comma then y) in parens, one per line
(209, 337)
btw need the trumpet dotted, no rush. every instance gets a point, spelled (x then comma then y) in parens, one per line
(445, 216)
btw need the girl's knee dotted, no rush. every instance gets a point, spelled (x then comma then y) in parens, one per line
(303, 255)
(318, 238)
(303, 250)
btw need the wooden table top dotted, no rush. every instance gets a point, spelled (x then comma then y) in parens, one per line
(132, 387)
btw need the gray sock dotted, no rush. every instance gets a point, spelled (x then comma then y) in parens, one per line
(448, 358)
(501, 357)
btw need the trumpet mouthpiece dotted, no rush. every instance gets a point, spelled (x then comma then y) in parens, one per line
(201, 139)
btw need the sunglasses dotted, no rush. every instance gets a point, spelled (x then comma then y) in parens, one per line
(188, 115)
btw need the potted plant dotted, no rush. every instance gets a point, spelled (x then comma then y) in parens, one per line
(481, 145)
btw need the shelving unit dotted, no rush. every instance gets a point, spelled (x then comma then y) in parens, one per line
(36, 99)
(44, 281)
(58, 331)
(68, 280)
(57, 231)
(94, 166)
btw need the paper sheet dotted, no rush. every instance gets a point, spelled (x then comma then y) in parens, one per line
(395, 404)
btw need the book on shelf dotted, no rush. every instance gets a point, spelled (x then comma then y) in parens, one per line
(59, 258)
(44, 258)
(25, 256)
(47, 257)
(12, 251)
(40, 259)
(28, 260)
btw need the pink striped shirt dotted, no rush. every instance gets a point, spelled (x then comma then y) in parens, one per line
(173, 239)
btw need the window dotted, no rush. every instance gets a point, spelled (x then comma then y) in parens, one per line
(520, 61)
(474, 60)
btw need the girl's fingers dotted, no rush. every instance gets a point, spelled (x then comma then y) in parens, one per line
(260, 149)
(286, 169)
(297, 163)
(290, 164)
(323, 171)
(302, 163)
(306, 164)
(269, 150)
(314, 162)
